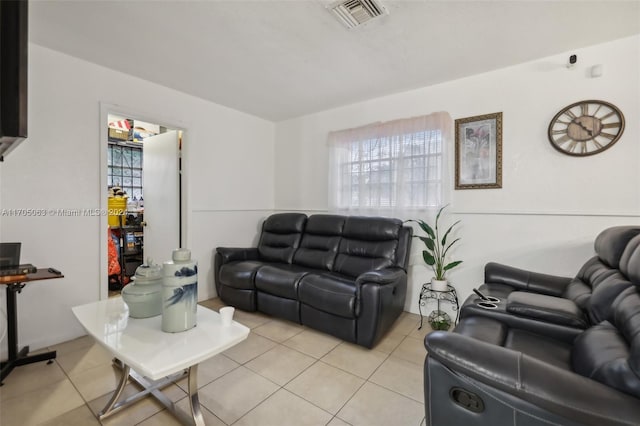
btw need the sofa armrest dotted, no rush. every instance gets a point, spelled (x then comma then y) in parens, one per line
(521, 279)
(382, 277)
(546, 308)
(552, 388)
(381, 296)
(231, 254)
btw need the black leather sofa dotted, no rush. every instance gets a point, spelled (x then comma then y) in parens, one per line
(559, 306)
(553, 350)
(343, 275)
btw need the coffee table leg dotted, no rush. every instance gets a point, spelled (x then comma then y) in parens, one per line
(124, 378)
(150, 387)
(194, 401)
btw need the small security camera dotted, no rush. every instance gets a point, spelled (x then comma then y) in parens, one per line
(572, 61)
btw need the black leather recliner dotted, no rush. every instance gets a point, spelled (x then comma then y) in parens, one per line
(500, 280)
(495, 371)
(344, 275)
(559, 306)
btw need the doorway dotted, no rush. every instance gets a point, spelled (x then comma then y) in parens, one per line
(142, 195)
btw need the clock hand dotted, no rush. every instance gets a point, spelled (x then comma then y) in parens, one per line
(576, 121)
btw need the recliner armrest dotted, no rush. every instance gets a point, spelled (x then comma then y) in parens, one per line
(552, 388)
(521, 279)
(546, 308)
(231, 254)
(383, 276)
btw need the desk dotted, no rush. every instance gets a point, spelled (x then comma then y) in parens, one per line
(15, 284)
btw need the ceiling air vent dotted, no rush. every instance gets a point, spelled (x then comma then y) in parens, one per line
(354, 13)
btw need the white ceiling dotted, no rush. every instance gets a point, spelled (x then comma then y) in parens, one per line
(282, 59)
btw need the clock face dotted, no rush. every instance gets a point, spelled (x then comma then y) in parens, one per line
(586, 128)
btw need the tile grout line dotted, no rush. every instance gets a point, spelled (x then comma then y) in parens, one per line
(282, 387)
(86, 403)
(365, 380)
(279, 387)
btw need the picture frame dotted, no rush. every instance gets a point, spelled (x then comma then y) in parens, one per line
(478, 152)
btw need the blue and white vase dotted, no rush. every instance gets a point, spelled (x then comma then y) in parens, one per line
(179, 292)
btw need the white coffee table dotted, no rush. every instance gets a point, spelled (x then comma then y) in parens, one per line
(152, 357)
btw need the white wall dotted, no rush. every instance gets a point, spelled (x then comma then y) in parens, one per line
(545, 217)
(551, 205)
(228, 170)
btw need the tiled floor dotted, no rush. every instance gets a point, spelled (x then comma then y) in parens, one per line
(283, 374)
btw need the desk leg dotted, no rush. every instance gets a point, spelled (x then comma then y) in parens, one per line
(12, 320)
(17, 357)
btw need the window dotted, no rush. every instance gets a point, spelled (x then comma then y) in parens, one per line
(398, 165)
(125, 168)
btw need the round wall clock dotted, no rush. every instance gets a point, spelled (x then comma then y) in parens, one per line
(586, 128)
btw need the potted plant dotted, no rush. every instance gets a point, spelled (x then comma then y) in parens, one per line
(439, 320)
(436, 251)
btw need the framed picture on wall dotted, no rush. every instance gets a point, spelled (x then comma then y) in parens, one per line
(479, 152)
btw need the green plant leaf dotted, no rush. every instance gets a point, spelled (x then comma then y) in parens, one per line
(452, 265)
(444, 239)
(449, 246)
(428, 258)
(440, 212)
(426, 228)
(428, 242)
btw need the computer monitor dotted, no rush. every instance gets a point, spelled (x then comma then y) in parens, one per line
(10, 255)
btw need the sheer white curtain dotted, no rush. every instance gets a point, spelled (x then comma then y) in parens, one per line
(389, 168)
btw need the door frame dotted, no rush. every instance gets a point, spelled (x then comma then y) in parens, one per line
(150, 117)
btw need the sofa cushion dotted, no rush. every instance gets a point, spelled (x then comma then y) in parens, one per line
(240, 274)
(597, 284)
(601, 300)
(372, 228)
(320, 241)
(610, 246)
(610, 351)
(545, 349)
(611, 243)
(485, 329)
(498, 333)
(330, 293)
(630, 260)
(342, 328)
(589, 276)
(601, 353)
(280, 279)
(626, 318)
(279, 306)
(281, 234)
(368, 244)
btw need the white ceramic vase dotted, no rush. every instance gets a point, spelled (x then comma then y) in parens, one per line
(179, 292)
(143, 295)
(438, 285)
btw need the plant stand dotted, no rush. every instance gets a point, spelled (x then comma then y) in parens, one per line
(450, 295)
